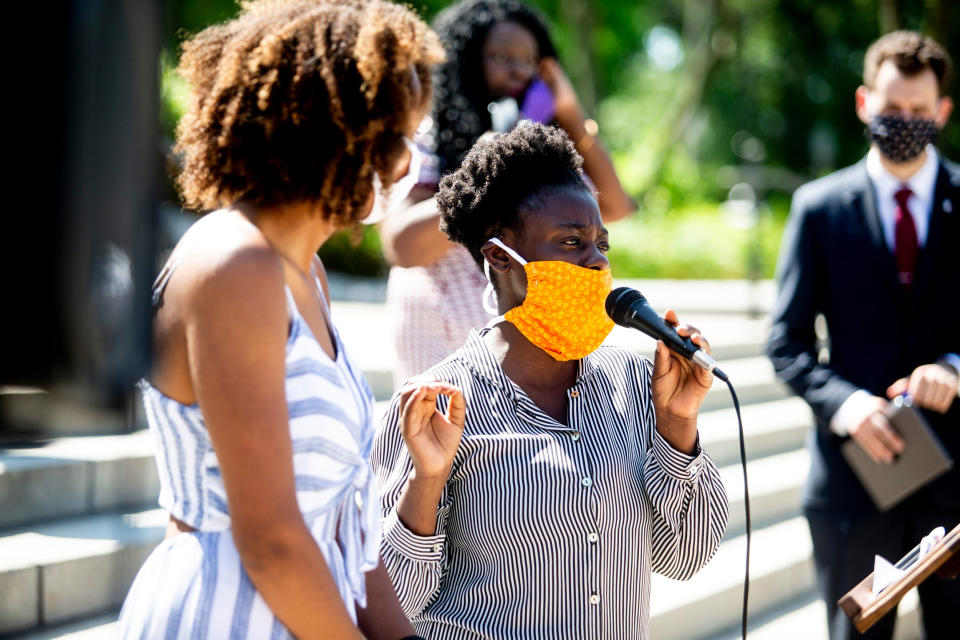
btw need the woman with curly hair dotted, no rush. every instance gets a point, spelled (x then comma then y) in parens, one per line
(496, 49)
(263, 424)
(532, 480)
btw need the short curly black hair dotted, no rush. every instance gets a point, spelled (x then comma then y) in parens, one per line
(503, 176)
(302, 101)
(461, 96)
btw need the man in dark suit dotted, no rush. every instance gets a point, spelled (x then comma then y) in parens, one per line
(875, 249)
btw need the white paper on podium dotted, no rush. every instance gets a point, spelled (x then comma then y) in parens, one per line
(885, 574)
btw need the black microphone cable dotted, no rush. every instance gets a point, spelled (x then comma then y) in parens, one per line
(746, 506)
(746, 500)
(628, 307)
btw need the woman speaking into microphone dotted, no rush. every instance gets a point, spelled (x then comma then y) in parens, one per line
(532, 480)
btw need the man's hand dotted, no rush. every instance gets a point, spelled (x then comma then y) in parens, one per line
(932, 386)
(872, 431)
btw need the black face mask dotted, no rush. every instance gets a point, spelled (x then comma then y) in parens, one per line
(901, 139)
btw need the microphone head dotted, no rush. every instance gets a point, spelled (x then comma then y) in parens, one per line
(620, 300)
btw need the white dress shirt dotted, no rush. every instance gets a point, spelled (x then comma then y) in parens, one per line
(923, 184)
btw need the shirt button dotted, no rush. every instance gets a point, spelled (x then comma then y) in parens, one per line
(437, 548)
(586, 482)
(575, 436)
(574, 394)
(594, 599)
(593, 537)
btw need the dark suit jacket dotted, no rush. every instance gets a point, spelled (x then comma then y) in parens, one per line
(834, 260)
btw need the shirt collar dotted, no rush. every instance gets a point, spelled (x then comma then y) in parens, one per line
(476, 354)
(921, 183)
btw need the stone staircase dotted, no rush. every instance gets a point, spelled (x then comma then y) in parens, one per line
(78, 514)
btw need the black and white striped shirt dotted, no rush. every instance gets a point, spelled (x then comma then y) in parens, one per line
(547, 530)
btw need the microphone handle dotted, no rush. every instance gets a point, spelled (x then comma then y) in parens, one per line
(666, 332)
(677, 343)
(683, 346)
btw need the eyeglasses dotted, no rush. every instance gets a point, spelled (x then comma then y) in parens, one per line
(502, 59)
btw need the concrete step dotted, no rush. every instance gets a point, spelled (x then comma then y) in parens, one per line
(776, 485)
(752, 378)
(730, 336)
(95, 628)
(30, 413)
(72, 568)
(768, 428)
(706, 296)
(76, 475)
(806, 619)
(781, 571)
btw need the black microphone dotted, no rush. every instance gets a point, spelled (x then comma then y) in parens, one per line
(628, 308)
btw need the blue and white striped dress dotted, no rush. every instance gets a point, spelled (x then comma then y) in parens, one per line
(193, 585)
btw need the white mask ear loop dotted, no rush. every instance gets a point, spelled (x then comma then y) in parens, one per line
(513, 254)
(488, 302)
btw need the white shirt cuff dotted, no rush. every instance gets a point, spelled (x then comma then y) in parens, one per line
(840, 422)
(677, 464)
(953, 360)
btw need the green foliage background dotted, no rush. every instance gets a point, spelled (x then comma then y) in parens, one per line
(692, 97)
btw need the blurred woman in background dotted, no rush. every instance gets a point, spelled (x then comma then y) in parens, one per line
(497, 51)
(263, 426)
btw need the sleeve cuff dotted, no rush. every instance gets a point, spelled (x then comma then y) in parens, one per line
(840, 422)
(409, 544)
(677, 464)
(953, 360)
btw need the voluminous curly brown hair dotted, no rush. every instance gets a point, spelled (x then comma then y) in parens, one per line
(502, 176)
(302, 101)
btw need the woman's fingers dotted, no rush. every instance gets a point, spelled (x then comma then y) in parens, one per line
(418, 401)
(457, 409)
(687, 330)
(697, 338)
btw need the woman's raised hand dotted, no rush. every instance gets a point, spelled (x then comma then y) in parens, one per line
(431, 437)
(679, 387)
(564, 96)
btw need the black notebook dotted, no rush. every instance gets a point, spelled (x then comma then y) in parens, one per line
(923, 459)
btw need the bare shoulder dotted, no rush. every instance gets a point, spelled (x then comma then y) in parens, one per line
(227, 261)
(224, 298)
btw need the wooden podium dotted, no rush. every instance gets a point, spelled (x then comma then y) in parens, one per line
(864, 609)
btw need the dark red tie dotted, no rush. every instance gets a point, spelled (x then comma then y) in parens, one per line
(905, 238)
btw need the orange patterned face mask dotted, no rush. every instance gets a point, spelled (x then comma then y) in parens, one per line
(563, 312)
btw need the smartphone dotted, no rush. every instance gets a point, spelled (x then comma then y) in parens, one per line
(536, 104)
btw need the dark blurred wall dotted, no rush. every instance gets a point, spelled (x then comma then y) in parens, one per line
(81, 200)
